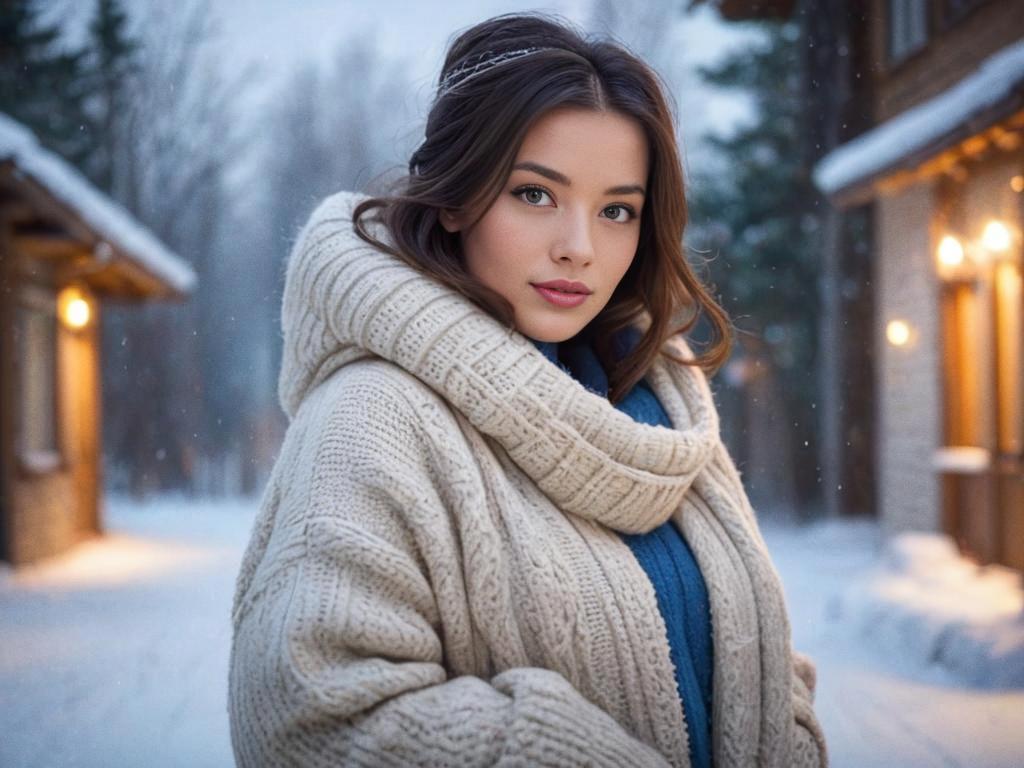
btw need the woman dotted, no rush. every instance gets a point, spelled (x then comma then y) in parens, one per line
(502, 528)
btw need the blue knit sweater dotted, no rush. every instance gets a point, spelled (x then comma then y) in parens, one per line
(663, 553)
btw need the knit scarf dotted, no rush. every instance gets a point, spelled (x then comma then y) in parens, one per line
(678, 584)
(345, 300)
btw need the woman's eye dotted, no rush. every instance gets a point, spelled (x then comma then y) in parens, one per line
(532, 194)
(625, 208)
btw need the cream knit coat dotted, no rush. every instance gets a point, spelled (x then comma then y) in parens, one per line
(434, 576)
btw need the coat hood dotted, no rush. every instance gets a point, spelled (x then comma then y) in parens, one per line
(345, 299)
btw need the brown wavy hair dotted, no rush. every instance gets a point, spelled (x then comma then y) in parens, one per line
(474, 131)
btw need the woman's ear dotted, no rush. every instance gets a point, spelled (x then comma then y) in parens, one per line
(449, 221)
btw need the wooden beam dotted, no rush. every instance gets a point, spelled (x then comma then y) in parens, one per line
(938, 158)
(51, 214)
(49, 245)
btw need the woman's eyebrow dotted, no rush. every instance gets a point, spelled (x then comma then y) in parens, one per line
(561, 178)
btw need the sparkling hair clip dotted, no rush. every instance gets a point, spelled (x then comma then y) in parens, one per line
(462, 74)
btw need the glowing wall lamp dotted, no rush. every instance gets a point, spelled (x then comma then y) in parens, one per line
(959, 260)
(950, 253)
(996, 237)
(74, 308)
(956, 260)
(898, 332)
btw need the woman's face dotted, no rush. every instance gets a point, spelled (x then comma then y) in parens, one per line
(569, 211)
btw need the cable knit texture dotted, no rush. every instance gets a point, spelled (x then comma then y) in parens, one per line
(434, 576)
(662, 552)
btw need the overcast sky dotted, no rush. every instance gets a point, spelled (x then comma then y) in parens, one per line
(281, 35)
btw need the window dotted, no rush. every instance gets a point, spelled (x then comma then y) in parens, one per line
(35, 340)
(966, 364)
(908, 28)
(1009, 323)
(982, 461)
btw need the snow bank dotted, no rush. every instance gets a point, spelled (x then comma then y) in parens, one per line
(887, 144)
(925, 603)
(109, 220)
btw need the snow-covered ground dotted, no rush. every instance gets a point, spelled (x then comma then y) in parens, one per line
(884, 705)
(116, 653)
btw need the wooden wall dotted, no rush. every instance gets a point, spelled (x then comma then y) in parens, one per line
(955, 48)
(44, 511)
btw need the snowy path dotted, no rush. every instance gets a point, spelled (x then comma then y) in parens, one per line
(116, 654)
(877, 711)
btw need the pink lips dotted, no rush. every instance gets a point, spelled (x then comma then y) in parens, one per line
(563, 293)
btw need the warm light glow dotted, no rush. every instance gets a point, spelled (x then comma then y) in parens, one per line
(1017, 183)
(74, 308)
(76, 314)
(953, 262)
(118, 560)
(951, 252)
(897, 332)
(996, 236)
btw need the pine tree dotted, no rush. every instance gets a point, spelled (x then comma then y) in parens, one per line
(765, 200)
(758, 217)
(42, 83)
(111, 63)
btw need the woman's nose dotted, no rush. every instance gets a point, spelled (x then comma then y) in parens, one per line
(575, 244)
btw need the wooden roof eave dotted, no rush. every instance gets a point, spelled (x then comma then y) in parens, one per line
(83, 253)
(1002, 126)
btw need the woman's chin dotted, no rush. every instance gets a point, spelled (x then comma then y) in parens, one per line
(546, 330)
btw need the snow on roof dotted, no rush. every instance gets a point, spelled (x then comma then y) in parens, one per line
(108, 219)
(887, 143)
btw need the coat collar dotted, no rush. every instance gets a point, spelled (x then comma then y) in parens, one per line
(345, 299)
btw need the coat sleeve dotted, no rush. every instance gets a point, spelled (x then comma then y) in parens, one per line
(338, 658)
(809, 748)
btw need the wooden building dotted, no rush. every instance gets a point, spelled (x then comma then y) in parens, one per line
(942, 168)
(65, 248)
(917, 108)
